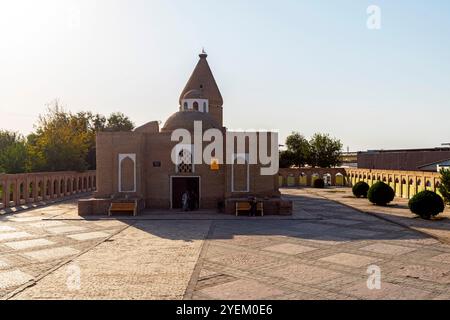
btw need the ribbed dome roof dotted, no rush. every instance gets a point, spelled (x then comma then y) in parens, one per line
(185, 120)
(194, 94)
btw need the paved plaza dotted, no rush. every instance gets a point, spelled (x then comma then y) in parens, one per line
(322, 252)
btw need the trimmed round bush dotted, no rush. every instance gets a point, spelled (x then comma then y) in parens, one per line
(360, 189)
(319, 183)
(426, 204)
(380, 194)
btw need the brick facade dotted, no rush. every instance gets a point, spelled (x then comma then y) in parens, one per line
(138, 164)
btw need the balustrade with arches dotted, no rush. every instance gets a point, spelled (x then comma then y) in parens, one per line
(27, 188)
(405, 183)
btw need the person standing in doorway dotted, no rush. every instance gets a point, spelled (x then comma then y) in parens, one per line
(185, 201)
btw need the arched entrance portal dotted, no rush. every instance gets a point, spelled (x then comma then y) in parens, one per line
(181, 184)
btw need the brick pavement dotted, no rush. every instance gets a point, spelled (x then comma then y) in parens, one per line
(322, 252)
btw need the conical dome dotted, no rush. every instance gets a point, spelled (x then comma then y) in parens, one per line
(203, 80)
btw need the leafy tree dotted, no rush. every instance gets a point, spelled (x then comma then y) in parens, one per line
(444, 187)
(66, 141)
(61, 141)
(8, 138)
(286, 159)
(117, 121)
(298, 149)
(13, 153)
(325, 152)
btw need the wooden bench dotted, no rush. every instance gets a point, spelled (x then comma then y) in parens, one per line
(246, 206)
(242, 206)
(123, 207)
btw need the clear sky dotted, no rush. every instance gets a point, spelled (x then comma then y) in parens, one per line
(310, 66)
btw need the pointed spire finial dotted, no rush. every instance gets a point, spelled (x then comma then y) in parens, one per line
(203, 54)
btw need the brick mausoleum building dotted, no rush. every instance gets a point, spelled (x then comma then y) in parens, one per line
(138, 166)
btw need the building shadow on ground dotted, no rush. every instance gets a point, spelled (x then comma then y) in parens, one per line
(313, 219)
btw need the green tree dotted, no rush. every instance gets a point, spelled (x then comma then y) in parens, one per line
(8, 138)
(286, 159)
(92, 123)
(66, 141)
(13, 152)
(298, 149)
(117, 121)
(444, 187)
(61, 141)
(325, 152)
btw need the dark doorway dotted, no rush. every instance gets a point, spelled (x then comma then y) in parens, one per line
(180, 185)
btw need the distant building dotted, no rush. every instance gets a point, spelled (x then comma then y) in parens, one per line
(407, 159)
(349, 159)
(437, 165)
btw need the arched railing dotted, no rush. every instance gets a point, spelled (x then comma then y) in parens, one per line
(19, 189)
(405, 183)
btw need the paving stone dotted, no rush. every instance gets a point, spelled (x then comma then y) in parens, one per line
(303, 274)
(149, 262)
(47, 224)
(50, 254)
(289, 248)
(65, 229)
(7, 228)
(14, 235)
(388, 249)
(155, 259)
(439, 274)
(388, 291)
(89, 235)
(110, 223)
(13, 279)
(351, 260)
(26, 219)
(328, 240)
(241, 290)
(206, 273)
(419, 241)
(360, 233)
(444, 296)
(342, 222)
(27, 244)
(442, 258)
(311, 227)
(243, 259)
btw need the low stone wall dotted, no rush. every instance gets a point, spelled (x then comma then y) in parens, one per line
(28, 188)
(303, 177)
(405, 183)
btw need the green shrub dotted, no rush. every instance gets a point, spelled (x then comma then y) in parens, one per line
(380, 194)
(426, 204)
(319, 183)
(360, 189)
(444, 187)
